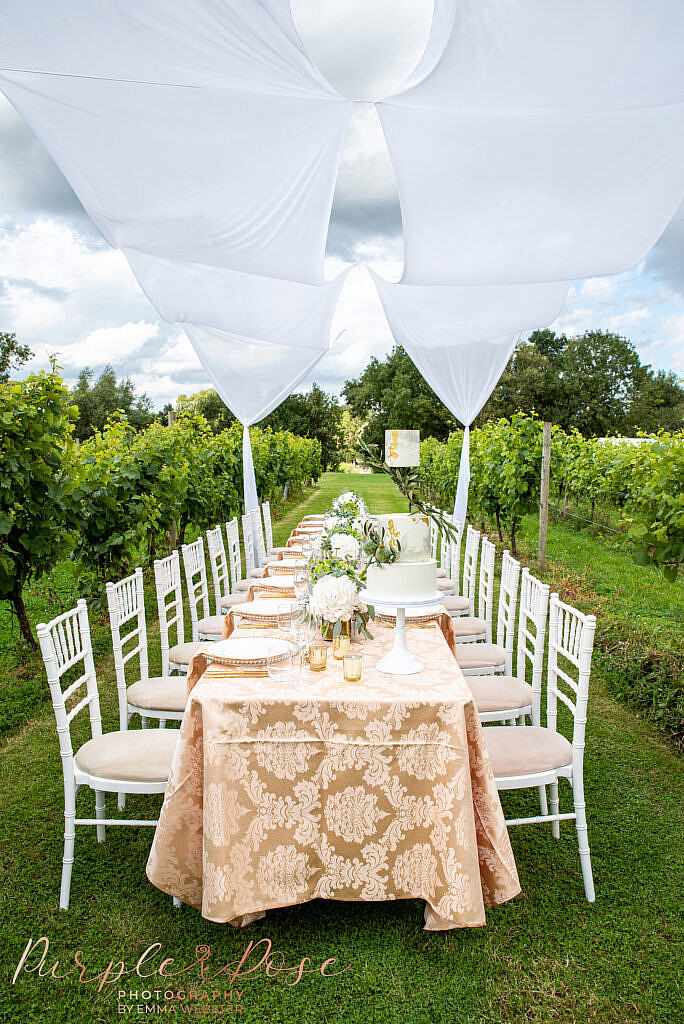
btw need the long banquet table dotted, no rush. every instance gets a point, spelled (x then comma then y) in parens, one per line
(378, 790)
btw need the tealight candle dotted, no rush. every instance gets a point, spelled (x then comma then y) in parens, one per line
(318, 657)
(341, 645)
(352, 667)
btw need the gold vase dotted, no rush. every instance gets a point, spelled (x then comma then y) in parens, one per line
(327, 629)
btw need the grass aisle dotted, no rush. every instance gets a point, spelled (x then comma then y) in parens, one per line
(545, 957)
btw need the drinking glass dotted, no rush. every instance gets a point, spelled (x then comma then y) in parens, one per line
(280, 667)
(301, 583)
(351, 666)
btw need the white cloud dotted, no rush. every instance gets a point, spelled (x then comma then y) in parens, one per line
(114, 345)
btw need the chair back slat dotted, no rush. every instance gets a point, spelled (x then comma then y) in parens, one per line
(234, 557)
(219, 565)
(167, 579)
(485, 596)
(248, 541)
(196, 580)
(571, 645)
(268, 524)
(508, 603)
(64, 642)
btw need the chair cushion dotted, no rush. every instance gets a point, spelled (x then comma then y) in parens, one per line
(133, 755)
(454, 603)
(525, 750)
(469, 625)
(480, 655)
(499, 693)
(159, 693)
(182, 654)
(231, 599)
(441, 573)
(242, 586)
(256, 574)
(211, 624)
(445, 583)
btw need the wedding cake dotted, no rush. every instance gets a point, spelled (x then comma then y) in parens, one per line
(413, 577)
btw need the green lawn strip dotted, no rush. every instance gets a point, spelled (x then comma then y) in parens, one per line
(547, 956)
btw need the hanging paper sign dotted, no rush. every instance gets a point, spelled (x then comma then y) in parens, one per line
(402, 447)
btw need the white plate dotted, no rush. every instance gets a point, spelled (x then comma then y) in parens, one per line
(248, 650)
(264, 611)
(280, 582)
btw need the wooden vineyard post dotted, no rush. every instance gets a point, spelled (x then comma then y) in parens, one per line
(544, 494)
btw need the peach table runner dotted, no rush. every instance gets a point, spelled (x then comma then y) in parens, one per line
(379, 790)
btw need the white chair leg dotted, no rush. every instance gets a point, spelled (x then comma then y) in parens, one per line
(144, 722)
(100, 813)
(543, 806)
(176, 903)
(68, 857)
(553, 801)
(162, 723)
(583, 837)
(121, 801)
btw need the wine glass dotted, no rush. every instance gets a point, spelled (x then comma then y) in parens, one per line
(301, 584)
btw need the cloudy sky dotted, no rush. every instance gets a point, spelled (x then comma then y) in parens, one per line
(63, 290)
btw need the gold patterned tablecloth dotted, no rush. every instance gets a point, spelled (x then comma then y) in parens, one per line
(378, 790)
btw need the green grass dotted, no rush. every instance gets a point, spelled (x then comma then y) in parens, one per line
(547, 956)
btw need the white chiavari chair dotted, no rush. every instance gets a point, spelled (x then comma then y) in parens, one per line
(513, 698)
(239, 584)
(167, 581)
(474, 628)
(268, 531)
(536, 756)
(156, 697)
(115, 762)
(252, 571)
(485, 658)
(463, 603)
(204, 625)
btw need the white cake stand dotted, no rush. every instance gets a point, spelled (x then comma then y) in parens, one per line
(399, 661)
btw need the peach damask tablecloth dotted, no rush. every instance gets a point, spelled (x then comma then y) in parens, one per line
(379, 790)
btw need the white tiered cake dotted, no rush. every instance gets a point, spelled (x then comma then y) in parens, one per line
(413, 577)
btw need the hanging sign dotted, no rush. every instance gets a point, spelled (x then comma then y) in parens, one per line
(402, 447)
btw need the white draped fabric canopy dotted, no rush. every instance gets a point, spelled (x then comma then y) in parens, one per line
(534, 143)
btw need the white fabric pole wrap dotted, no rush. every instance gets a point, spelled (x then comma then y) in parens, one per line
(461, 501)
(251, 498)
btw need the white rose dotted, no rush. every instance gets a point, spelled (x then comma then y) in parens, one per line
(334, 598)
(343, 545)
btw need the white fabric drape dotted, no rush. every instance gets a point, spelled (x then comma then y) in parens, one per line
(461, 338)
(251, 498)
(544, 143)
(196, 131)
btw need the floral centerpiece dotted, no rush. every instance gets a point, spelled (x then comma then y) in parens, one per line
(334, 597)
(349, 506)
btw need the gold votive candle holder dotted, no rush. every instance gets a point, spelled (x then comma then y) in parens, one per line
(318, 657)
(351, 666)
(341, 646)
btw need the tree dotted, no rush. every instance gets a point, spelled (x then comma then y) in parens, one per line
(207, 403)
(394, 394)
(97, 402)
(38, 484)
(12, 355)
(314, 414)
(595, 383)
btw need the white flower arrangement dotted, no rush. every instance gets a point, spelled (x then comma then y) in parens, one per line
(343, 545)
(334, 598)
